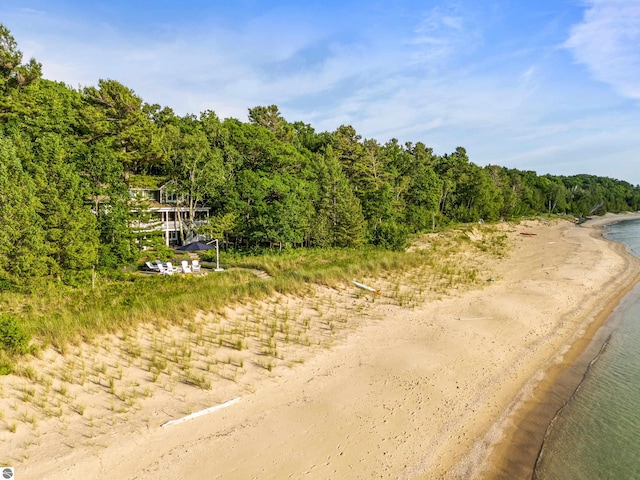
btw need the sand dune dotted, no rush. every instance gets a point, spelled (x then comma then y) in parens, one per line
(421, 392)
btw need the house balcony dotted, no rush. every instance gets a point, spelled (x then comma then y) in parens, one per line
(168, 226)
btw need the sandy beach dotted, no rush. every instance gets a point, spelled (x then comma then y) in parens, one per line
(428, 391)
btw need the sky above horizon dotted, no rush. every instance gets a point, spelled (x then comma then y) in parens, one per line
(551, 86)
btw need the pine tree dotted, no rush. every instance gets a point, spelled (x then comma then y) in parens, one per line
(21, 236)
(340, 221)
(69, 226)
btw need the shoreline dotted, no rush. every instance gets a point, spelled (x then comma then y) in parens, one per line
(517, 454)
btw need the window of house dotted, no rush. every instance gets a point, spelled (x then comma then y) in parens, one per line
(173, 197)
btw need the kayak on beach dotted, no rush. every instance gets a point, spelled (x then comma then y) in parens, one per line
(366, 287)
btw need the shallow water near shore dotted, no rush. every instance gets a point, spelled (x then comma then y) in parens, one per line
(596, 435)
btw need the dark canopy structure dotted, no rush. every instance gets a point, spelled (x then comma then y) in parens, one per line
(194, 247)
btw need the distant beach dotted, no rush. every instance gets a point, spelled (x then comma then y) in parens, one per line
(516, 457)
(594, 436)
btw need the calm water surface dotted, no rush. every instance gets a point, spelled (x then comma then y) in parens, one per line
(596, 436)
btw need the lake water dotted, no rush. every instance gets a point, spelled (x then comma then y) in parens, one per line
(596, 435)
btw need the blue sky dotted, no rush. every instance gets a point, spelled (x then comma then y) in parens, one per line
(548, 85)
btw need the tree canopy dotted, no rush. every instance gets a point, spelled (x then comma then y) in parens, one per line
(67, 157)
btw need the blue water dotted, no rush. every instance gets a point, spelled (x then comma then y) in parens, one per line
(596, 436)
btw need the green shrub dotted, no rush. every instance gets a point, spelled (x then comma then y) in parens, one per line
(391, 236)
(5, 285)
(13, 338)
(5, 367)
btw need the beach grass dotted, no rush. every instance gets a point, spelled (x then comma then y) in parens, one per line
(168, 331)
(145, 336)
(61, 316)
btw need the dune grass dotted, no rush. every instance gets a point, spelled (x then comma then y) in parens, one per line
(137, 335)
(62, 316)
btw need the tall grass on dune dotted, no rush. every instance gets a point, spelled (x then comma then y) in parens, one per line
(61, 316)
(135, 335)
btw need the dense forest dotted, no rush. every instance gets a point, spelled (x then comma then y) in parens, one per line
(68, 157)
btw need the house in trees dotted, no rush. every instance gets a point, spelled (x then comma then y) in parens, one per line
(158, 208)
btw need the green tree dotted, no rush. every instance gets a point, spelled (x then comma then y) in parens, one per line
(114, 115)
(377, 184)
(468, 192)
(272, 208)
(373, 176)
(347, 146)
(306, 138)
(15, 77)
(59, 111)
(195, 168)
(423, 197)
(339, 220)
(554, 193)
(452, 170)
(271, 119)
(265, 186)
(21, 236)
(108, 194)
(70, 233)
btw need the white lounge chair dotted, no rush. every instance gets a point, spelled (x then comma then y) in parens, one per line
(185, 267)
(152, 267)
(168, 269)
(195, 266)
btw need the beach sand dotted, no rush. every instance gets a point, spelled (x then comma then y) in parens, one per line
(435, 390)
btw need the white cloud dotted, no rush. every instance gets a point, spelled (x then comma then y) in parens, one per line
(443, 34)
(607, 40)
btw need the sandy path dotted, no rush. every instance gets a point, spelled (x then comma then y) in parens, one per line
(417, 393)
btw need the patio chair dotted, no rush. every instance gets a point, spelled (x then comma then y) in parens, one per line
(152, 267)
(185, 267)
(168, 269)
(195, 266)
